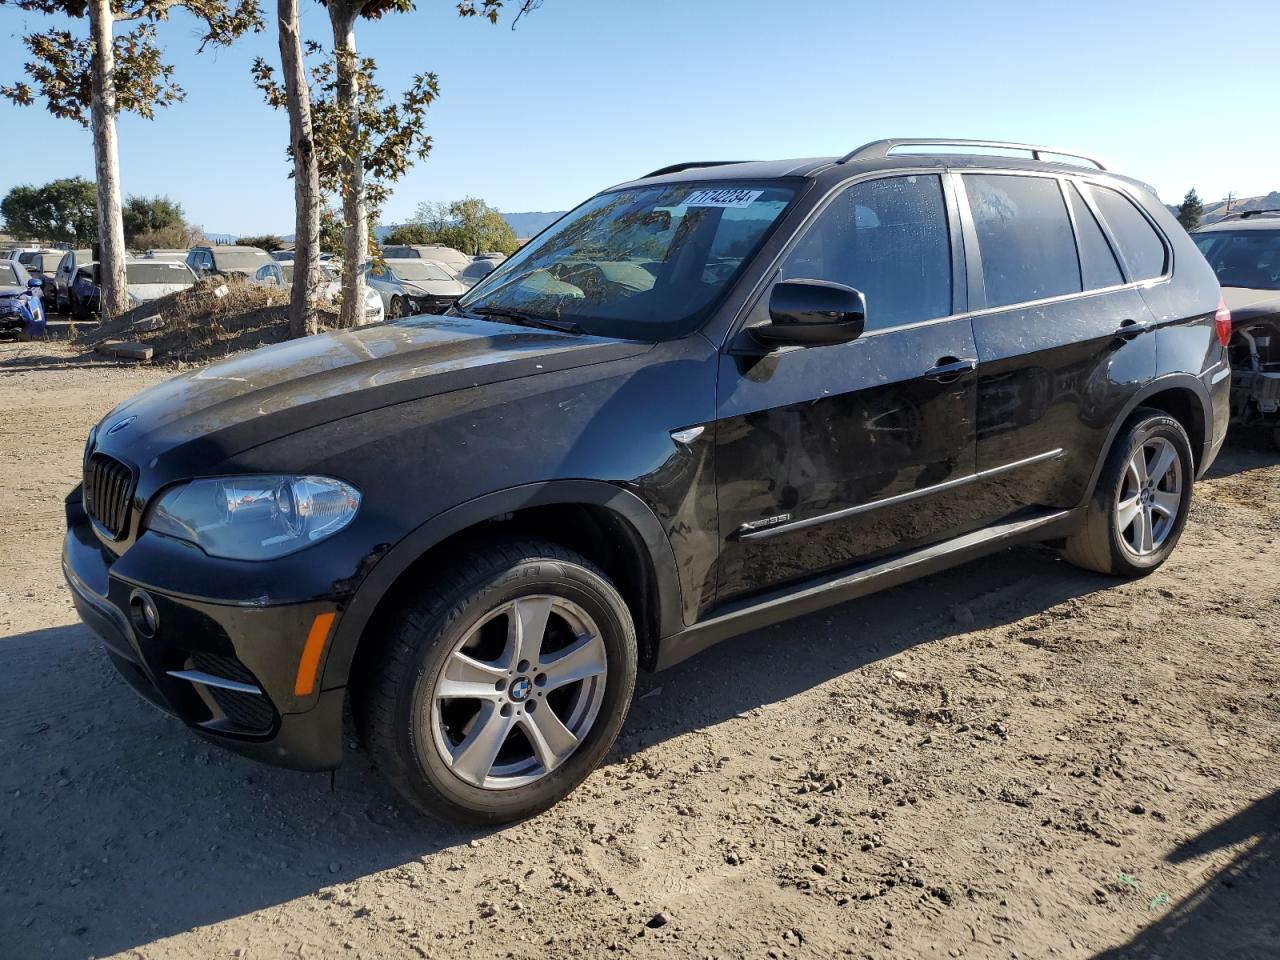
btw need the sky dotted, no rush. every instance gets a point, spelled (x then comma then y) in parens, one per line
(587, 93)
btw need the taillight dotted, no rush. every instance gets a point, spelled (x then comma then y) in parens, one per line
(1222, 322)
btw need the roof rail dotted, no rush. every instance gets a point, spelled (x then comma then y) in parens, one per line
(691, 165)
(879, 149)
(1246, 214)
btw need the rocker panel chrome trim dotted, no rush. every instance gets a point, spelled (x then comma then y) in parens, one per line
(752, 532)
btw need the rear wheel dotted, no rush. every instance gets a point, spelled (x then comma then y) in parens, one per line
(1140, 504)
(501, 689)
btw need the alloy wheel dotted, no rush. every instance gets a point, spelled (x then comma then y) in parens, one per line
(1150, 496)
(519, 692)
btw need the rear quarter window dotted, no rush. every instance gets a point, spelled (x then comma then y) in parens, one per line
(1140, 245)
(1097, 260)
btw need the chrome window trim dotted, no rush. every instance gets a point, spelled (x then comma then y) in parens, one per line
(971, 258)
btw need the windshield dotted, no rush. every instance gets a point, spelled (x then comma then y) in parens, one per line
(642, 264)
(1243, 258)
(240, 259)
(8, 275)
(417, 270)
(158, 272)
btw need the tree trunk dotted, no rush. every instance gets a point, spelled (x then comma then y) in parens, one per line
(355, 208)
(106, 160)
(303, 318)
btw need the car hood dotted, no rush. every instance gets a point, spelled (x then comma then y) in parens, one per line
(144, 292)
(434, 288)
(264, 394)
(1246, 303)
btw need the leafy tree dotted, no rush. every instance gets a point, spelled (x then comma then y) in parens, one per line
(92, 75)
(332, 230)
(150, 215)
(176, 236)
(469, 225)
(59, 212)
(410, 234)
(1190, 210)
(361, 141)
(267, 242)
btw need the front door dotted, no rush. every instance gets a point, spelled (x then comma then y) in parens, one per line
(828, 456)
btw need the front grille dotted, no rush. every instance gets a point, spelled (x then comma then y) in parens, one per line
(251, 711)
(108, 488)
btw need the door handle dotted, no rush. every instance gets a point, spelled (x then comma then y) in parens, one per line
(949, 369)
(1129, 329)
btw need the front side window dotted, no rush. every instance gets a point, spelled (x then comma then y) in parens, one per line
(889, 239)
(1140, 246)
(1024, 238)
(1243, 258)
(1097, 260)
(644, 263)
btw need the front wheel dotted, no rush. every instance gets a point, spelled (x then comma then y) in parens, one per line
(1140, 504)
(498, 691)
(398, 309)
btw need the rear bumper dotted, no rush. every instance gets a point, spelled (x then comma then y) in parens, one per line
(225, 670)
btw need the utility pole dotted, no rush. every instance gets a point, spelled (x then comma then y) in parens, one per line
(1231, 196)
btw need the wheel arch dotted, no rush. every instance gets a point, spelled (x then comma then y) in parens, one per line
(609, 525)
(1180, 395)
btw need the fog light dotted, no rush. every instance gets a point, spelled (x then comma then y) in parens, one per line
(143, 613)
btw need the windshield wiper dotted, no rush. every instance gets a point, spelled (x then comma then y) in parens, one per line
(527, 319)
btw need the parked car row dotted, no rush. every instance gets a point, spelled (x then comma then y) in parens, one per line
(21, 304)
(280, 274)
(1244, 252)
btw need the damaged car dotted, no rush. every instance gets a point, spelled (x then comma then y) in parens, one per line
(1244, 252)
(21, 306)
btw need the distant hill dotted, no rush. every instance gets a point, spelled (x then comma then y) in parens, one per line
(1217, 209)
(527, 224)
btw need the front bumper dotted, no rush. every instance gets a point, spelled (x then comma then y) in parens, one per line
(229, 671)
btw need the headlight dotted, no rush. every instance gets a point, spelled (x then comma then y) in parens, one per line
(255, 517)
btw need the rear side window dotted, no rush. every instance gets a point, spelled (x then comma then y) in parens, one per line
(888, 238)
(1024, 238)
(1140, 246)
(1097, 259)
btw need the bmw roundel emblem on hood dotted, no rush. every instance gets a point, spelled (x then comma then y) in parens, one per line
(120, 425)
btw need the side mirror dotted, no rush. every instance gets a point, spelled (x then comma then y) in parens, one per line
(35, 282)
(811, 313)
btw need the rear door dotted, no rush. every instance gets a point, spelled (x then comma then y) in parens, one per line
(1063, 338)
(828, 456)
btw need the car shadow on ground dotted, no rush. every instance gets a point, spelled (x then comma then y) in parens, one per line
(1232, 913)
(122, 827)
(1247, 448)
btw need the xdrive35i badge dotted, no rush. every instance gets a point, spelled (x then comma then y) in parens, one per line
(119, 425)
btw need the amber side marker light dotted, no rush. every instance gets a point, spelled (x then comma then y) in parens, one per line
(305, 683)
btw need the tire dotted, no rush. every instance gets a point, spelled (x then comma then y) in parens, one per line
(429, 742)
(79, 310)
(397, 309)
(1104, 543)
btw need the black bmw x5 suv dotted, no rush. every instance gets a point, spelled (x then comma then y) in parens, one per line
(710, 399)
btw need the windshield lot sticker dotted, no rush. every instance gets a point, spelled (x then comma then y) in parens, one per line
(736, 197)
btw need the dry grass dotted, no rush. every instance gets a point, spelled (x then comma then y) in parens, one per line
(200, 326)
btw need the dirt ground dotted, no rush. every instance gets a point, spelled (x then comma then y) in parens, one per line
(1013, 759)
